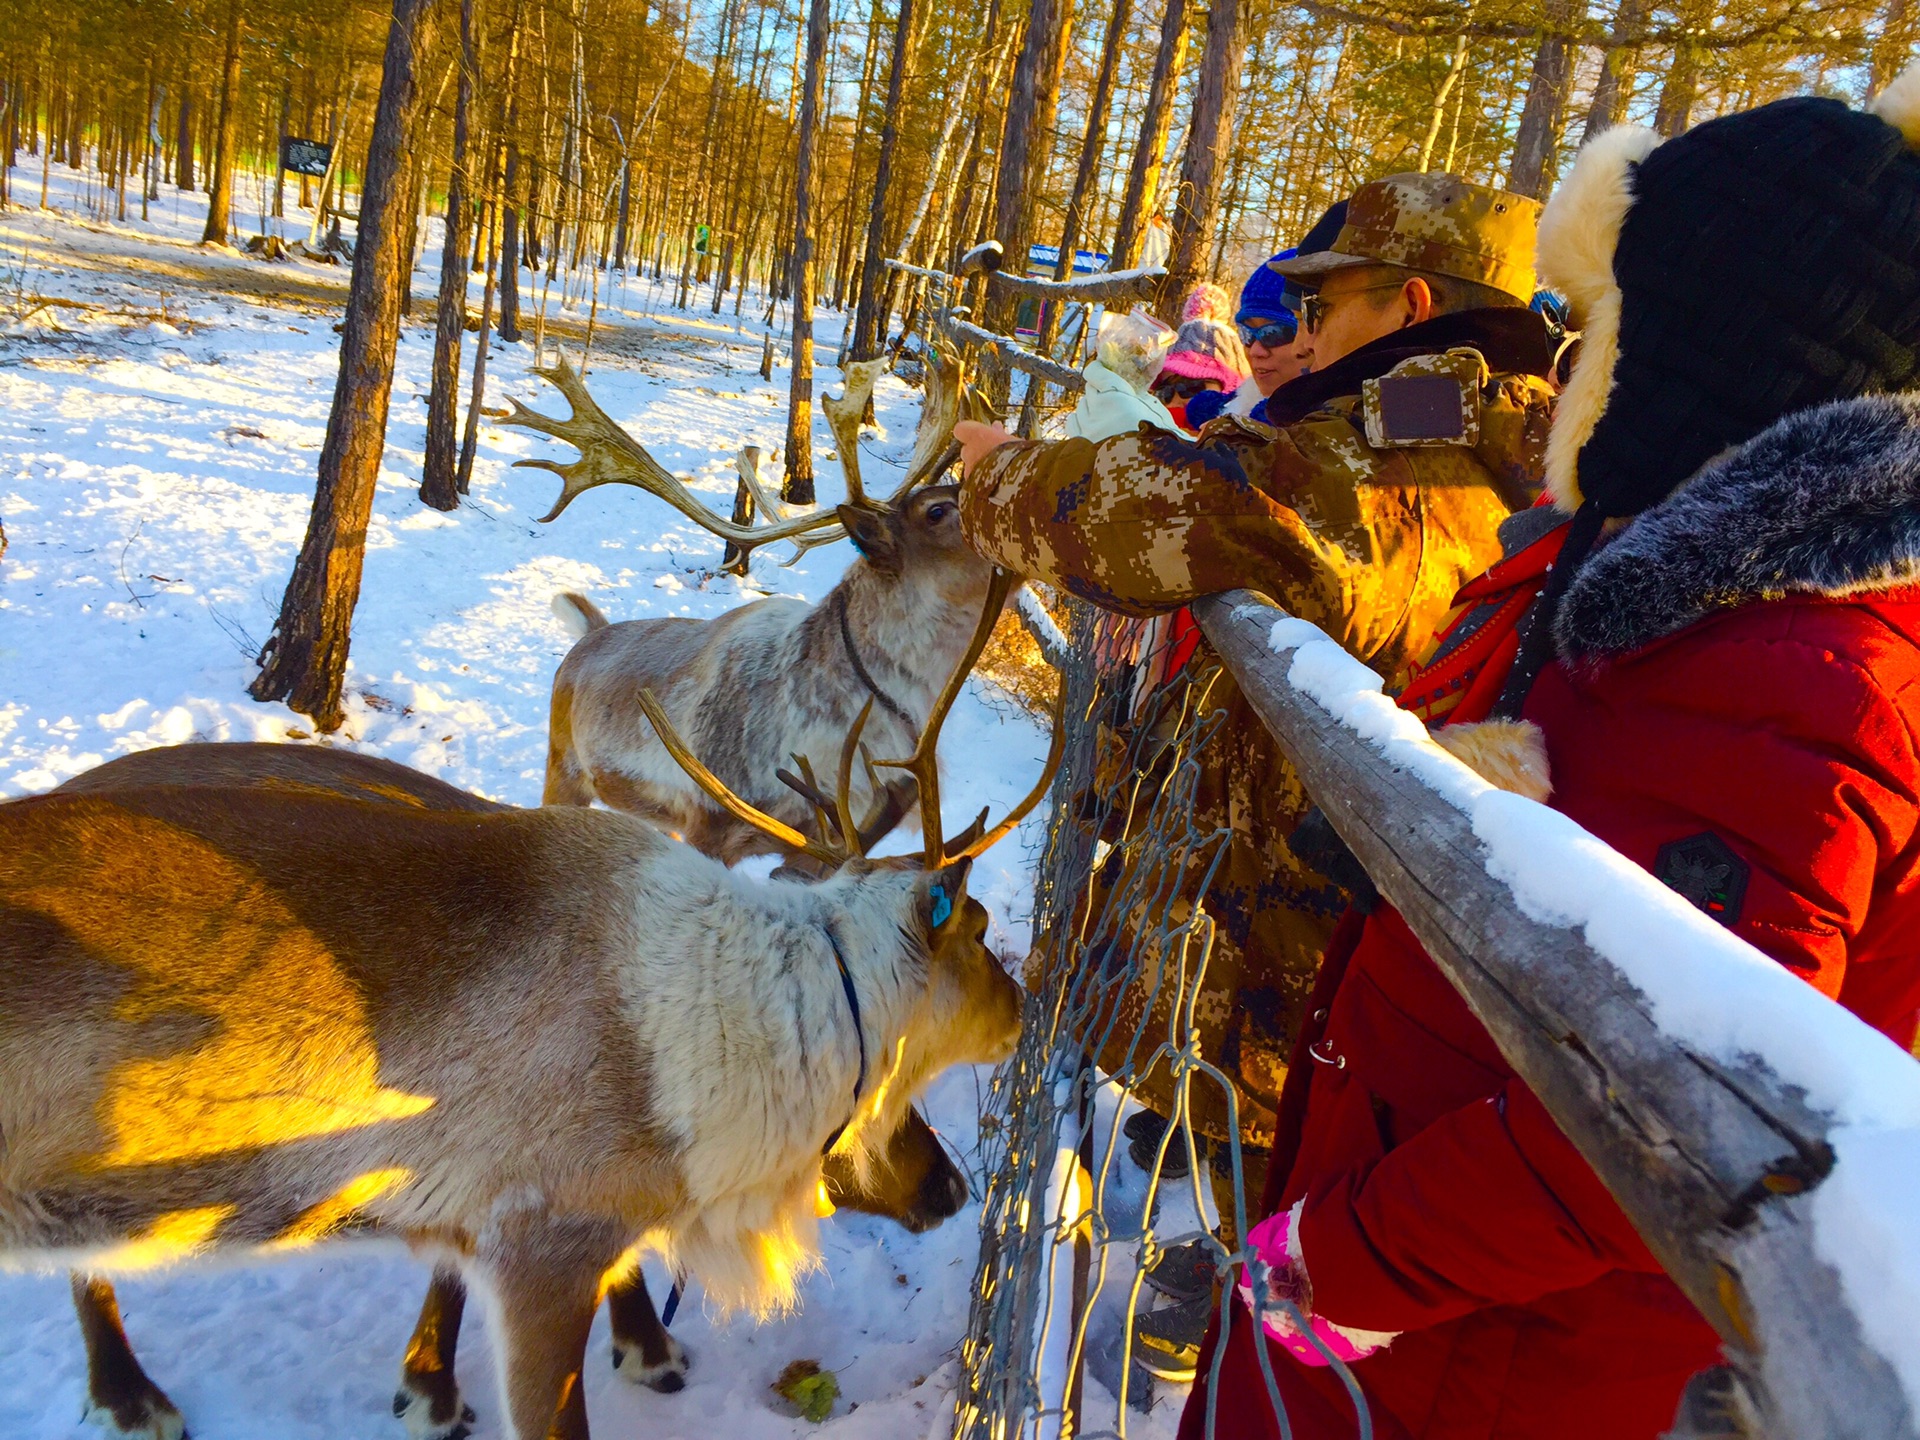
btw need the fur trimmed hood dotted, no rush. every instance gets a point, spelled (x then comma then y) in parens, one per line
(1826, 502)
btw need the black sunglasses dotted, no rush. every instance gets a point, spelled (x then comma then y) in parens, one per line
(1313, 309)
(1273, 335)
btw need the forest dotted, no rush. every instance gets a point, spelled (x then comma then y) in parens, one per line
(674, 137)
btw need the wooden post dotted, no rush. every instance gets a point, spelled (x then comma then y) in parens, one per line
(734, 560)
(1713, 1162)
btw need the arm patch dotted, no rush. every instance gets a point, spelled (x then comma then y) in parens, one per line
(1427, 401)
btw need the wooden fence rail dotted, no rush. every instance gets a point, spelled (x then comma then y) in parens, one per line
(1717, 1160)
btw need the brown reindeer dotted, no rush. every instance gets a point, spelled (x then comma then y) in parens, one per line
(235, 1019)
(913, 1181)
(886, 636)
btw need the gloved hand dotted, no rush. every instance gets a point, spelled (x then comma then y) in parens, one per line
(1276, 1240)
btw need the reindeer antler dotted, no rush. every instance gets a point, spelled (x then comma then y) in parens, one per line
(924, 766)
(835, 815)
(843, 418)
(610, 456)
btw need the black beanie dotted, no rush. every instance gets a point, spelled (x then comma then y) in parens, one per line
(1765, 262)
(1760, 264)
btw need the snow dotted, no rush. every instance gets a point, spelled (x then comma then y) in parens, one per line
(1708, 989)
(159, 425)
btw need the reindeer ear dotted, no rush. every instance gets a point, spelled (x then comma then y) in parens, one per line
(873, 536)
(946, 894)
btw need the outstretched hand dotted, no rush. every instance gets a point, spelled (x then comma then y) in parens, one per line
(977, 441)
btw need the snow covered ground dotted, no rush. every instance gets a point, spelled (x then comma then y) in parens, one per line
(157, 450)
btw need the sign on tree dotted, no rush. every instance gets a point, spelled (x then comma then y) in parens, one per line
(305, 157)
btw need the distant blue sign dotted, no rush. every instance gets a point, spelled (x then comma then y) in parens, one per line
(1045, 259)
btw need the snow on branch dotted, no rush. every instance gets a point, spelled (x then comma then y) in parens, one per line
(1018, 356)
(1094, 289)
(1762, 1139)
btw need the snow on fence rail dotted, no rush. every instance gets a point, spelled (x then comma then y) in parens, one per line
(1764, 1141)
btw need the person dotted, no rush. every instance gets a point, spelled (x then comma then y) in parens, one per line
(1206, 356)
(1731, 594)
(1269, 324)
(1334, 511)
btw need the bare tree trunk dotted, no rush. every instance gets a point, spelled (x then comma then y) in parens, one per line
(1142, 196)
(1094, 141)
(511, 188)
(437, 471)
(220, 188)
(1536, 145)
(1024, 143)
(1454, 66)
(796, 487)
(1617, 64)
(280, 151)
(866, 343)
(183, 140)
(1207, 139)
(1682, 87)
(304, 661)
(470, 441)
(509, 330)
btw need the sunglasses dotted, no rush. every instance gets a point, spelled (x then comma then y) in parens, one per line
(1314, 309)
(1273, 335)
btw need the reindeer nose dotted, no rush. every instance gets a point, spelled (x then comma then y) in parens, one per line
(942, 1194)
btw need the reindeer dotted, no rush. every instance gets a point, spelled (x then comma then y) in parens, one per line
(913, 1180)
(776, 681)
(239, 1020)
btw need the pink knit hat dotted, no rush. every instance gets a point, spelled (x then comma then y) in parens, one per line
(1207, 347)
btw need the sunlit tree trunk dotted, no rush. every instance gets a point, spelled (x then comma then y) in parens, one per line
(304, 661)
(797, 485)
(220, 178)
(1142, 196)
(1197, 201)
(866, 342)
(437, 487)
(1536, 145)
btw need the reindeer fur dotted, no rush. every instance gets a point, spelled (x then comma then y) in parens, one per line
(767, 681)
(233, 1021)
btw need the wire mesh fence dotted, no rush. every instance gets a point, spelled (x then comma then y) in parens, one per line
(1098, 1234)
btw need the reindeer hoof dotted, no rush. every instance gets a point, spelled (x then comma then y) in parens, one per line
(145, 1415)
(667, 1376)
(427, 1419)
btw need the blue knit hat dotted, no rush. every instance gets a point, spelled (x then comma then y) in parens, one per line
(1263, 297)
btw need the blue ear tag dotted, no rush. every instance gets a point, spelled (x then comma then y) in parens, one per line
(942, 906)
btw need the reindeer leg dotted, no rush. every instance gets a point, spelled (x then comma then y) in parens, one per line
(643, 1351)
(428, 1399)
(120, 1398)
(545, 1274)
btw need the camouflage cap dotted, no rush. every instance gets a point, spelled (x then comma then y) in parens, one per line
(1438, 223)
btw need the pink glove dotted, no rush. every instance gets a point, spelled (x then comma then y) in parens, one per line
(1276, 1241)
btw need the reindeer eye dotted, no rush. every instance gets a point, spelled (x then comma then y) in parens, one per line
(938, 512)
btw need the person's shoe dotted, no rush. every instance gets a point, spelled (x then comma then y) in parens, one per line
(1174, 1167)
(1166, 1343)
(1184, 1273)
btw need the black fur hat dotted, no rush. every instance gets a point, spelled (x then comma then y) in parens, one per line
(1752, 267)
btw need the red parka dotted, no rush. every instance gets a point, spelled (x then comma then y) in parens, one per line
(1736, 707)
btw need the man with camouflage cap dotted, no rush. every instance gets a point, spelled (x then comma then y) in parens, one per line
(1372, 494)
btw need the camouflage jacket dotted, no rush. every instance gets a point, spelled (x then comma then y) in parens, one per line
(1368, 540)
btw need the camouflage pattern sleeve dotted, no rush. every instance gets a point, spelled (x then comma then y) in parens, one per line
(1147, 522)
